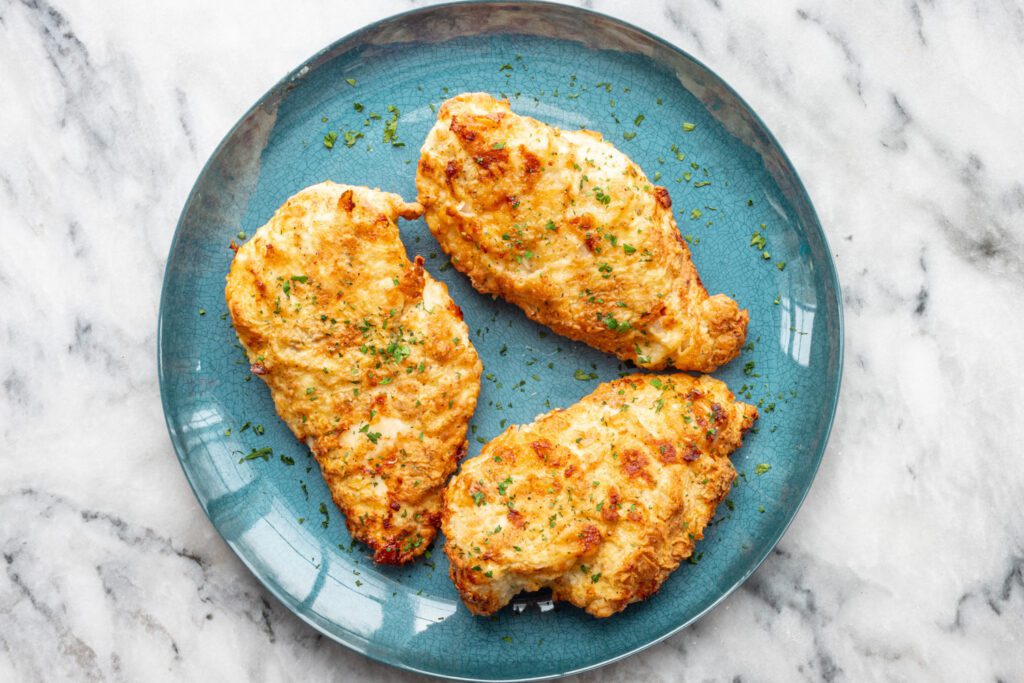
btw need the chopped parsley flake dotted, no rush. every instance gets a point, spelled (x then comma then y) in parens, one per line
(612, 324)
(351, 136)
(391, 127)
(258, 453)
(398, 352)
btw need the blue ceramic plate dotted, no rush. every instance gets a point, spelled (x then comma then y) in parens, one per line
(732, 186)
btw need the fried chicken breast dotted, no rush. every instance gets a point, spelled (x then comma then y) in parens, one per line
(600, 501)
(566, 227)
(366, 356)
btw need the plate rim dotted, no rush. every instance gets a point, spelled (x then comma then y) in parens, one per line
(298, 72)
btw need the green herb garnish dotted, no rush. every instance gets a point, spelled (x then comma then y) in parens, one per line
(263, 453)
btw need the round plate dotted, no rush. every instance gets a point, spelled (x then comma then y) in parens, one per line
(729, 181)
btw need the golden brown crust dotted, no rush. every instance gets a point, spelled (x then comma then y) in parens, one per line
(568, 228)
(600, 501)
(366, 357)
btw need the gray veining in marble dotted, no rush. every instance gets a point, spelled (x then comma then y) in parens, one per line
(904, 120)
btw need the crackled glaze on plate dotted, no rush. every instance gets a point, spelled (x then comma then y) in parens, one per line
(270, 511)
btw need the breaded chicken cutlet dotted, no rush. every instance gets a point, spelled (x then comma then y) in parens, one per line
(599, 502)
(365, 354)
(569, 229)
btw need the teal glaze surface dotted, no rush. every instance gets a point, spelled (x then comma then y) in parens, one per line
(269, 512)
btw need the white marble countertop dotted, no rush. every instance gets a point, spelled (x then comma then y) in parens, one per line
(905, 122)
